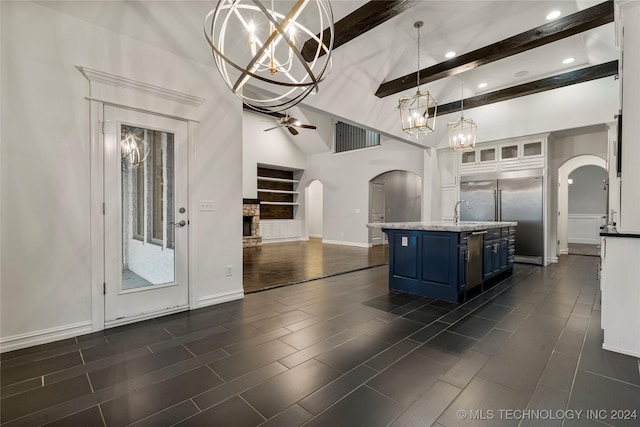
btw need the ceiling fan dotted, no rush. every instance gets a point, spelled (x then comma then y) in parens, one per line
(291, 123)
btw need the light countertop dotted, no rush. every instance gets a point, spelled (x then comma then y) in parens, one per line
(443, 225)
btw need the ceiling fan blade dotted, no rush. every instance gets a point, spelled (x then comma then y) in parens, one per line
(307, 126)
(292, 130)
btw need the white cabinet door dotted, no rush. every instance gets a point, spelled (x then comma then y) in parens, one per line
(448, 168)
(448, 199)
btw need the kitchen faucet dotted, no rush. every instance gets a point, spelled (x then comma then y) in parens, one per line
(456, 216)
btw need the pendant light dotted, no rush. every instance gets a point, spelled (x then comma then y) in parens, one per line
(414, 110)
(462, 134)
(272, 54)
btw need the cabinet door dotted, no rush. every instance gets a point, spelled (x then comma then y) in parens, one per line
(509, 152)
(448, 199)
(488, 154)
(448, 168)
(487, 260)
(462, 267)
(504, 254)
(468, 157)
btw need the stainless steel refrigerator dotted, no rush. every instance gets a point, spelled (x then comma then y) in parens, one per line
(509, 196)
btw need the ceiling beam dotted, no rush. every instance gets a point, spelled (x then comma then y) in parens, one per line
(566, 79)
(357, 23)
(275, 114)
(550, 32)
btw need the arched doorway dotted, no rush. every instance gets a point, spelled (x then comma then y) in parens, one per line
(394, 196)
(314, 209)
(564, 172)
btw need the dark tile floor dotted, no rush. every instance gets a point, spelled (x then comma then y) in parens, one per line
(343, 351)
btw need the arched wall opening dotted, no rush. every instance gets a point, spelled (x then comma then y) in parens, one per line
(563, 194)
(394, 196)
(314, 209)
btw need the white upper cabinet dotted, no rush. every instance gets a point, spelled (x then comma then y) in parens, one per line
(514, 155)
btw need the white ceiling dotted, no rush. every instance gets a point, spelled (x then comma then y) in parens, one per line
(390, 50)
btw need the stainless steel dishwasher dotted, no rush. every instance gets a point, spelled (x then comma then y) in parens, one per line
(474, 262)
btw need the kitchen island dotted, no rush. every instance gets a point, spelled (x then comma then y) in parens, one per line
(446, 260)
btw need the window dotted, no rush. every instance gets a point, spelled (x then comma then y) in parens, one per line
(348, 137)
(148, 190)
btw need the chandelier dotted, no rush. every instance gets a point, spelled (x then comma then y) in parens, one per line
(414, 110)
(260, 50)
(462, 134)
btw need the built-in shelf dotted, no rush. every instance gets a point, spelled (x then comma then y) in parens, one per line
(280, 203)
(262, 190)
(264, 178)
(277, 193)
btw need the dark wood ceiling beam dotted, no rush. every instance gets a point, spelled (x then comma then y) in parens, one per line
(550, 32)
(566, 79)
(357, 23)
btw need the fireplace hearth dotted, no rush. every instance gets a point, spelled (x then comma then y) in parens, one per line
(251, 223)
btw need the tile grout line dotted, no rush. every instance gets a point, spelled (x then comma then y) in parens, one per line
(102, 415)
(251, 406)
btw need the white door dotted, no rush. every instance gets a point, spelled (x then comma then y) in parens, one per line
(376, 213)
(146, 219)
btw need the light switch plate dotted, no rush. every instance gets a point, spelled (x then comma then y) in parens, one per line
(206, 205)
(405, 241)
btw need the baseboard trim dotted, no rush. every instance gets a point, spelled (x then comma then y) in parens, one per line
(145, 316)
(283, 240)
(340, 242)
(563, 252)
(220, 298)
(622, 351)
(552, 260)
(317, 236)
(44, 336)
(582, 241)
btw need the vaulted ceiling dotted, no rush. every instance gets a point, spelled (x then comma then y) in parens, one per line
(510, 46)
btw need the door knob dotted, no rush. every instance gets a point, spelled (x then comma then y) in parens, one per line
(180, 224)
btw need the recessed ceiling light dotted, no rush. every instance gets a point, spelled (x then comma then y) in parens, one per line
(521, 73)
(568, 60)
(450, 54)
(482, 85)
(553, 15)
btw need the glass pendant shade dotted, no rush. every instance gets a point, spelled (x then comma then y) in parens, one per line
(272, 54)
(462, 134)
(414, 113)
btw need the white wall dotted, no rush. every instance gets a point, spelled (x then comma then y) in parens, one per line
(575, 106)
(315, 206)
(345, 178)
(45, 275)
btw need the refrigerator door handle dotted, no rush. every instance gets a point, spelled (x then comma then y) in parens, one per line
(495, 201)
(499, 205)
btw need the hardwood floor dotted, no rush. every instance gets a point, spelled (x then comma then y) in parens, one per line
(279, 264)
(342, 351)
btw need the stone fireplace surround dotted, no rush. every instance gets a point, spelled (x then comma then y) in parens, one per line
(251, 208)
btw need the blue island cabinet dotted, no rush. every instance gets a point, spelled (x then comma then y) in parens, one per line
(437, 264)
(429, 264)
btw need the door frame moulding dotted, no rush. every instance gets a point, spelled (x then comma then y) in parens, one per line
(122, 92)
(563, 194)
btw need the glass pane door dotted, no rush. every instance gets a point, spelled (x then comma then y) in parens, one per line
(148, 232)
